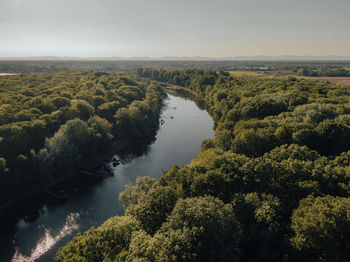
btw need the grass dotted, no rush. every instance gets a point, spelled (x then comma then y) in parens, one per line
(245, 73)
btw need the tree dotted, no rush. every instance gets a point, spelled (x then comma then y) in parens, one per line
(59, 102)
(198, 229)
(259, 216)
(132, 194)
(66, 147)
(100, 131)
(104, 242)
(108, 110)
(322, 229)
(153, 209)
(85, 109)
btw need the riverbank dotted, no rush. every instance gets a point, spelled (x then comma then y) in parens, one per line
(27, 204)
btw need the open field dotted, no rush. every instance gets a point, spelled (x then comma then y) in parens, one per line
(7, 74)
(246, 73)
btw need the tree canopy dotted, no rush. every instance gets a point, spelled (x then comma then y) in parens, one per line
(53, 124)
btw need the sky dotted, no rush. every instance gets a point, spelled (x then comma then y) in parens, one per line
(157, 28)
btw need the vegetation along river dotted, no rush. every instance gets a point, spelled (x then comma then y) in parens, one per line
(178, 140)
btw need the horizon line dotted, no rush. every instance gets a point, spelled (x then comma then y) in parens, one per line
(185, 58)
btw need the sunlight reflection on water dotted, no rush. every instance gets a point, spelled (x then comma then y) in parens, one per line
(48, 241)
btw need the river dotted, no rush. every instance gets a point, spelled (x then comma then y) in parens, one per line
(178, 140)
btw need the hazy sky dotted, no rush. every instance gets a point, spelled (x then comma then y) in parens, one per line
(174, 27)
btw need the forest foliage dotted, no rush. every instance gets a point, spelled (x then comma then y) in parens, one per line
(272, 185)
(52, 125)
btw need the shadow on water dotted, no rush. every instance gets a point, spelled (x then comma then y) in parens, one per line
(138, 148)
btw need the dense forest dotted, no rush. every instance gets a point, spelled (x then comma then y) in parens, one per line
(273, 185)
(306, 68)
(337, 72)
(52, 125)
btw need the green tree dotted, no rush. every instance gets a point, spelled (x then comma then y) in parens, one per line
(198, 229)
(259, 216)
(104, 242)
(132, 194)
(84, 108)
(153, 209)
(322, 229)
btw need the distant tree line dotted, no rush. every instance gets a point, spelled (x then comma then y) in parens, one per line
(339, 72)
(51, 66)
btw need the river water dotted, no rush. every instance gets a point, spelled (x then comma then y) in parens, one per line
(178, 140)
